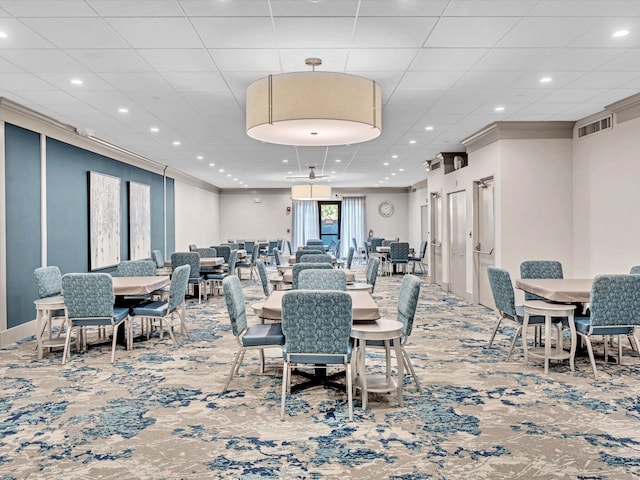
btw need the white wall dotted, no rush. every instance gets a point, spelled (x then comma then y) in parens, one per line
(196, 216)
(606, 200)
(414, 216)
(397, 225)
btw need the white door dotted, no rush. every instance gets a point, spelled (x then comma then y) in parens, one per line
(436, 238)
(458, 243)
(484, 250)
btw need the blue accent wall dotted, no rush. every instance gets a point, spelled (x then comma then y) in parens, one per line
(22, 197)
(67, 211)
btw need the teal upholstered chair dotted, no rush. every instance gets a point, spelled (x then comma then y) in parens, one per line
(195, 277)
(614, 310)
(504, 298)
(49, 284)
(277, 257)
(350, 257)
(315, 242)
(136, 268)
(89, 299)
(408, 297)
(635, 270)
(264, 280)
(317, 328)
(214, 280)
(298, 267)
(158, 258)
(248, 263)
(316, 258)
(419, 259)
(307, 251)
(540, 269)
(322, 280)
(163, 313)
(192, 247)
(258, 336)
(399, 255)
(370, 275)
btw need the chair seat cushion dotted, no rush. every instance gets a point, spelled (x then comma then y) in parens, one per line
(317, 358)
(263, 334)
(217, 276)
(196, 280)
(583, 324)
(120, 314)
(151, 309)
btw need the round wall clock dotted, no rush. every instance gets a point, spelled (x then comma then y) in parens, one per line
(386, 209)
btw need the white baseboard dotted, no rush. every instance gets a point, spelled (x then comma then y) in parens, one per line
(15, 334)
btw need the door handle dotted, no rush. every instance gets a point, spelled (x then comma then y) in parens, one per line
(485, 253)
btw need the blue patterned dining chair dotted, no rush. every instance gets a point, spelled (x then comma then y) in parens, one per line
(196, 279)
(614, 310)
(540, 269)
(298, 267)
(408, 297)
(277, 257)
(316, 258)
(223, 251)
(158, 258)
(89, 299)
(315, 242)
(49, 284)
(635, 270)
(264, 280)
(399, 255)
(305, 251)
(322, 280)
(504, 298)
(317, 331)
(370, 275)
(419, 259)
(214, 280)
(257, 337)
(136, 268)
(350, 257)
(163, 313)
(248, 263)
(289, 247)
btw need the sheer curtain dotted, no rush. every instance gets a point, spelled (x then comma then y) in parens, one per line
(353, 223)
(306, 222)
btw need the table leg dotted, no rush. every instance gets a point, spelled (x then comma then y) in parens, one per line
(362, 373)
(574, 342)
(547, 342)
(40, 327)
(523, 334)
(400, 362)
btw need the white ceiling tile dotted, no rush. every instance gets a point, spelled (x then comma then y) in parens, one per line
(44, 61)
(156, 32)
(603, 79)
(628, 61)
(136, 81)
(377, 59)
(437, 80)
(7, 66)
(398, 32)
(236, 32)
(110, 60)
(244, 60)
(491, 80)
(178, 60)
(20, 36)
(593, 8)
(194, 80)
(333, 59)
(512, 59)
(434, 59)
(62, 81)
(74, 32)
(579, 58)
(406, 8)
(559, 79)
(488, 8)
(601, 35)
(48, 8)
(570, 95)
(546, 32)
(244, 8)
(325, 8)
(24, 82)
(127, 8)
(313, 32)
(469, 32)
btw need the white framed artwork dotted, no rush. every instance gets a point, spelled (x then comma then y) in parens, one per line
(139, 221)
(104, 220)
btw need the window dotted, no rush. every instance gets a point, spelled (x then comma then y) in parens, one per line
(329, 215)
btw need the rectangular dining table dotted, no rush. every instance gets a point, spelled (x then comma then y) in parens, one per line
(364, 306)
(124, 286)
(558, 289)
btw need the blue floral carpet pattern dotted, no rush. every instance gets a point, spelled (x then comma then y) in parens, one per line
(159, 412)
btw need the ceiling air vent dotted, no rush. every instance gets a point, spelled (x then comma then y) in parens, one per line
(594, 127)
(434, 166)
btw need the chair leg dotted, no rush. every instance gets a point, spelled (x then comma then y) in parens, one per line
(409, 365)
(286, 375)
(493, 335)
(67, 345)
(113, 343)
(347, 367)
(592, 358)
(236, 359)
(513, 343)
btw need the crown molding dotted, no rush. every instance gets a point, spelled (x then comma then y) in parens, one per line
(626, 109)
(517, 130)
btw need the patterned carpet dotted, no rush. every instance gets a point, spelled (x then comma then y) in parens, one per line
(158, 412)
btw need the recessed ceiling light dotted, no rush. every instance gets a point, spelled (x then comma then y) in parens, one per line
(621, 33)
(394, 156)
(221, 170)
(499, 109)
(412, 142)
(3, 35)
(338, 160)
(428, 128)
(386, 178)
(393, 174)
(154, 129)
(228, 174)
(212, 164)
(285, 161)
(246, 186)
(401, 169)
(235, 179)
(176, 143)
(333, 172)
(76, 81)
(289, 173)
(199, 157)
(386, 163)
(545, 79)
(241, 183)
(123, 110)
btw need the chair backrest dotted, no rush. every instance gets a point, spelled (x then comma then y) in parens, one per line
(231, 245)
(314, 242)
(280, 243)
(539, 269)
(289, 245)
(337, 249)
(350, 257)
(207, 252)
(233, 258)
(187, 258)
(249, 246)
(254, 255)
(277, 257)
(316, 322)
(234, 297)
(223, 251)
(407, 302)
(322, 280)
(399, 252)
(423, 248)
(178, 287)
(316, 258)
(192, 247)
(299, 253)
(502, 289)
(298, 267)
(48, 281)
(376, 242)
(615, 300)
(635, 270)
(387, 243)
(371, 273)
(88, 295)
(264, 277)
(272, 244)
(136, 268)
(355, 243)
(156, 256)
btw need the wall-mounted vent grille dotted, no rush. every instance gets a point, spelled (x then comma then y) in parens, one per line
(594, 127)
(434, 166)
